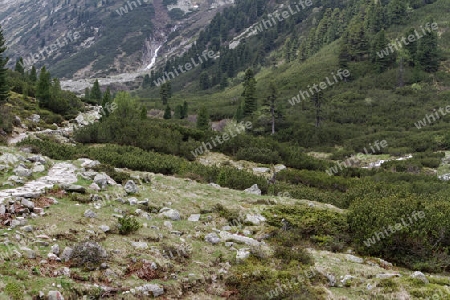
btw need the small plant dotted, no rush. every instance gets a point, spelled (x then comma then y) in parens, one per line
(128, 224)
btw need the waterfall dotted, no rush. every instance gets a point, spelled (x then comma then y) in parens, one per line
(153, 61)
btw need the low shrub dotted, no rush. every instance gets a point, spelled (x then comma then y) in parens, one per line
(128, 224)
(88, 255)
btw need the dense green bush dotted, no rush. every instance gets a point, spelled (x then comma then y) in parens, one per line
(127, 225)
(421, 241)
(322, 227)
(261, 155)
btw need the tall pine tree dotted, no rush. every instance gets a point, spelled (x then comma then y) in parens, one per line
(96, 93)
(249, 94)
(43, 88)
(203, 119)
(427, 51)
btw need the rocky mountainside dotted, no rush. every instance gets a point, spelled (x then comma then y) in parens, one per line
(98, 38)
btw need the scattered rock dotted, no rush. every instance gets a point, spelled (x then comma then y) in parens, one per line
(354, 259)
(132, 201)
(420, 276)
(53, 257)
(226, 236)
(74, 188)
(214, 185)
(90, 214)
(261, 170)
(168, 224)
(66, 254)
(331, 280)
(94, 187)
(279, 168)
(27, 228)
(38, 168)
(212, 238)
(55, 249)
(253, 190)
(131, 187)
(22, 171)
(35, 118)
(27, 203)
(242, 254)
(154, 288)
(170, 213)
(104, 228)
(194, 218)
(139, 245)
(28, 253)
(54, 295)
(346, 281)
(255, 219)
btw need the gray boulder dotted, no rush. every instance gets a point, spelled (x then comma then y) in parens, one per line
(253, 190)
(212, 238)
(154, 288)
(66, 254)
(242, 254)
(170, 213)
(420, 276)
(74, 188)
(90, 214)
(22, 171)
(55, 295)
(131, 187)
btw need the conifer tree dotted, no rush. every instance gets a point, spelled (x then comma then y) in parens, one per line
(272, 99)
(167, 113)
(249, 93)
(43, 88)
(33, 74)
(382, 63)
(165, 91)
(19, 66)
(185, 110)
(87, 94)
(106, 102)
(143, 114)
(427, 52)
(203, 119)
(96, 93)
